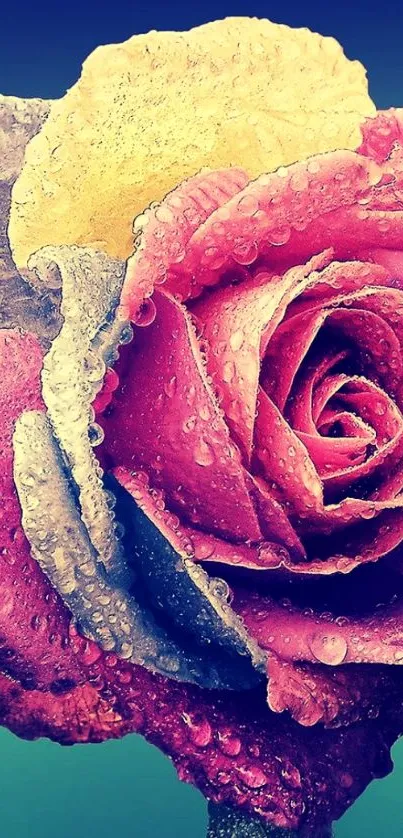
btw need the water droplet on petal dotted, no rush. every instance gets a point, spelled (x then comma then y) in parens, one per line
(291, 776)
(236, 340)
(279, 236)
(203, 454)
(199, 729)
(346, 780)
(220, 588)
(170, 387)
(229, 744)
(189, 424)
(203, 550)
(96, 434)
(228, 371)
(328, 649)
(253, 776)
(146, 313)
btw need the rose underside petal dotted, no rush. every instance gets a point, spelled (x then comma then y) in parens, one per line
(116, 619)
(196, 604)
(73, 372)
(21, 302)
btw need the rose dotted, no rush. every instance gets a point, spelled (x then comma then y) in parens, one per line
(263, 398)
(171, 618)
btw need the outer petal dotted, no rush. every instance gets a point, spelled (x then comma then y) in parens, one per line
(34, 625)
(21, 303)
(293, 213)
(164, 231)
(236, 77)
(341, 201)
(316, 636)
(236, 753)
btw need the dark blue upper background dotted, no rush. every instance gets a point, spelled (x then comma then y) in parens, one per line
(43, 44)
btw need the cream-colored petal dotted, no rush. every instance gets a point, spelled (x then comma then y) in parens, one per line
(149, 112)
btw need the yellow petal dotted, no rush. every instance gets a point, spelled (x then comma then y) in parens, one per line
(149, 112)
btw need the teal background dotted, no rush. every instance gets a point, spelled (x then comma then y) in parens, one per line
(128, 788)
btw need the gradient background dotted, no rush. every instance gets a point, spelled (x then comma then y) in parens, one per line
(128, 788)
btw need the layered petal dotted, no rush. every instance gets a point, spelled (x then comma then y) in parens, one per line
(34, 625)
(165, 418)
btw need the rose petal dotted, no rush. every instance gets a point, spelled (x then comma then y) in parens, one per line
(165, 418)
(273, 519)
(73, 373)
(166, 230)
(116, 619)
(235, 752)
(324, 191)
(286, 352)
(299, 409)
(124, 107)
(313, 693)
(21, 302)
(334, 454)
(34, 625)
(294, 635)
(238, 323)
(378, 411)
(285, 460)
(195, 603)
(368, 321)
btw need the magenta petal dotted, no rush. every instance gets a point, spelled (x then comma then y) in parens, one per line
(166, 230)
(315, 637)
(285, 461)
(164, 418)
(288, 216)
(314, 693)
(238, 323)
(34, 624)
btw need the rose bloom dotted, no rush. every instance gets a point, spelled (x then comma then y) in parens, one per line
(224, 576)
